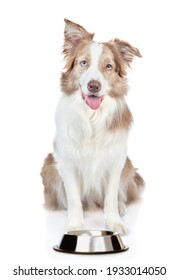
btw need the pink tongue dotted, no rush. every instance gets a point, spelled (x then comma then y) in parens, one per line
(93, 101)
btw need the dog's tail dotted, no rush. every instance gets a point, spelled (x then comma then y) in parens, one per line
(132, 181)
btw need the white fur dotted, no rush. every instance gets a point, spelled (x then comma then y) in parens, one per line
(89, 157)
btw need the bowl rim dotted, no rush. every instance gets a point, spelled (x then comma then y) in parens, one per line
(90, 233)
(84, 234)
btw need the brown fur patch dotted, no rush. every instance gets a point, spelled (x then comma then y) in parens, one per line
(132, 181)
(75, 33)
(120, 66)
(124, 51)
(70, 77)
(127, 51)
(122, 118)
(76, 39)
(50, 178)
(69, 83)
(117, 84)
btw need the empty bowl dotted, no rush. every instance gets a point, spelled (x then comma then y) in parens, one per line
(91, 242)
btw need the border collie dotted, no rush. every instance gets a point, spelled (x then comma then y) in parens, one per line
(89, 167)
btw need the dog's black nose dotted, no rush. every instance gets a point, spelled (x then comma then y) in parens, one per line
(94, 86)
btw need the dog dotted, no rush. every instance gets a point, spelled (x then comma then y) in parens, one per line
(89, 166)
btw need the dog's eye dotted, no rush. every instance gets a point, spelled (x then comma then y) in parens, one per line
(83, 63)
(109, 66)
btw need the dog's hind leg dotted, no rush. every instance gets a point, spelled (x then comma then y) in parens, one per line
(54, 193)
(131, 181)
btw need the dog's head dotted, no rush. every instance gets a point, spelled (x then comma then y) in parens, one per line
(95, 69)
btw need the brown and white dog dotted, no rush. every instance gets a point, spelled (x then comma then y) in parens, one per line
(89, 166)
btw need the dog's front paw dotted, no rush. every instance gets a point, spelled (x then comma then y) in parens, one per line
(120, 228)
(75, 224)
(75, 220)
(117, 226)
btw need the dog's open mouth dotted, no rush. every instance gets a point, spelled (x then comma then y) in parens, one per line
(93, 101)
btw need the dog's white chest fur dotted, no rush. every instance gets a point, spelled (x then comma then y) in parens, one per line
(83, 140)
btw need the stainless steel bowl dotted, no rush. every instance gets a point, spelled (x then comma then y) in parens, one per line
(91, 242)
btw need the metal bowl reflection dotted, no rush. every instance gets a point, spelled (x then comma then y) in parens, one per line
(91, 242)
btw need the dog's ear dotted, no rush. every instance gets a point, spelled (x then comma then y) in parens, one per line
(74, 35)
(127, 51)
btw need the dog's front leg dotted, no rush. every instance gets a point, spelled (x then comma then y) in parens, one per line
(111, 210)
(74, 204)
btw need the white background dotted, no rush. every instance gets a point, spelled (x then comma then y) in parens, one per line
(30, 63)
